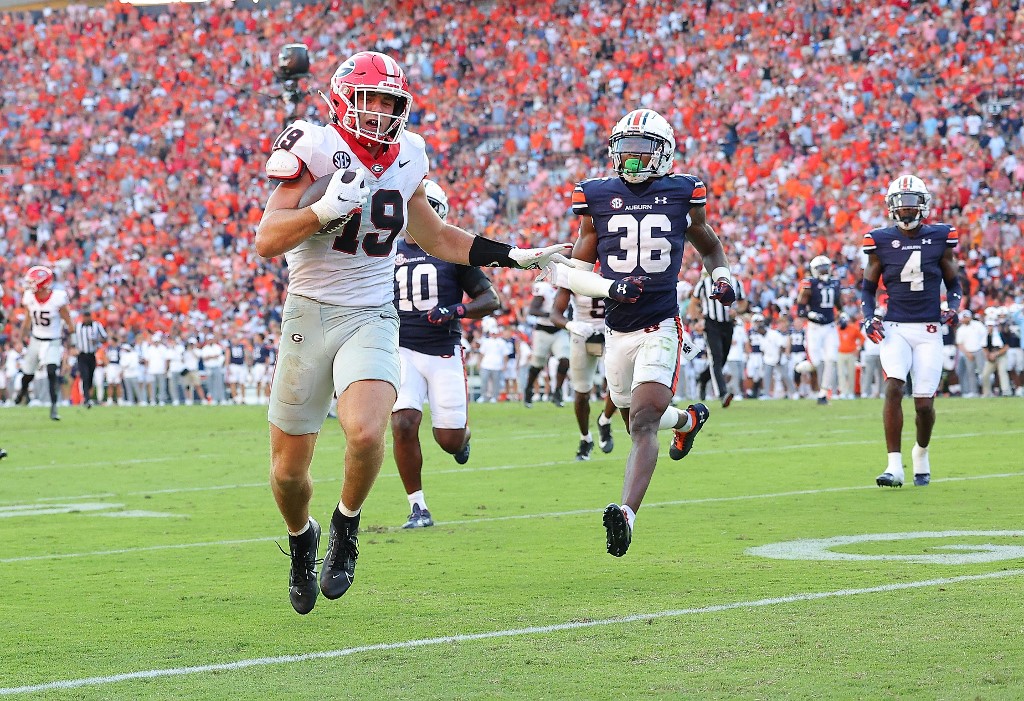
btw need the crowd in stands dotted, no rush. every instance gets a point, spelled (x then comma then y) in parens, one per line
(132, 141)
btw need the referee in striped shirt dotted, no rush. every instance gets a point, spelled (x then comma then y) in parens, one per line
(718, 325)
(89, 336)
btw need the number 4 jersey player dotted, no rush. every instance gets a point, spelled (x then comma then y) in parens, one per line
(914, 259)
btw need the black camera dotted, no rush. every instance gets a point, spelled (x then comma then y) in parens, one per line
(292, 66)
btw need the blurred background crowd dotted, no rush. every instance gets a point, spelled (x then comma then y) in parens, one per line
(132, 141)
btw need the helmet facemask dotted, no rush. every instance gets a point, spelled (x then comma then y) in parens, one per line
(627, 152)
(908, 209)
(353, 112)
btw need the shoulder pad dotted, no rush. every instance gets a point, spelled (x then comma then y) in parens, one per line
(284, 165)
(415, 140)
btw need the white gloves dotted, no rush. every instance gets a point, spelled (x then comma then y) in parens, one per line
(578, 328)
(816, 317)
(535, 258)
(346, 193)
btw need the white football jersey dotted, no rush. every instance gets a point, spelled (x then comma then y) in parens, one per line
(356, 267)
(46, 321)
(588, 310)
(545, 290)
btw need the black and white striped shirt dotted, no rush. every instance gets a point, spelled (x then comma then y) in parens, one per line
(89, 336)
(712, 309)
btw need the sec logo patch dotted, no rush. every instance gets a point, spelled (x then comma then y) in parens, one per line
(616, 203)
(341, 160)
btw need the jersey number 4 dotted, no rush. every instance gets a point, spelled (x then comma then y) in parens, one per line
(387, 214)
(640, 247)
(912, 273)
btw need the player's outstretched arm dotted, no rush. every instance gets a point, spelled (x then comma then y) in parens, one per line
(456, 245)
(709, 246)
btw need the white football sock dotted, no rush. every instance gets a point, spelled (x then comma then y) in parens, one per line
(588, 438)
(603, 420)
(301, 530)
(671, 417)
(919, 456)
(345, 511)
(630, 516)
(416, 499)
(895, 465)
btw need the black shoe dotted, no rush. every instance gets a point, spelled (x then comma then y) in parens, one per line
(556, 398)
(302, 586)
(419, 518)
(3, 453)
(339, 568)
(604, 437)
(53, 413)
(619, 534)
(462, 457)
(727, 400)
(922, 479)
(584, 450)
(682, 442)
(528, 399)
(88, 404)
(823, 401)
(887, 479)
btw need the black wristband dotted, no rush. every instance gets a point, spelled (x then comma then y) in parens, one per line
(490, 254)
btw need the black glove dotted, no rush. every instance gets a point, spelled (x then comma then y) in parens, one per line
(723, 291)
(873, 329)
(439, 316)
(628, 289)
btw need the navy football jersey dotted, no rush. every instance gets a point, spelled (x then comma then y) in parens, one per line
(910, 269)
(423, 282)
(796, 341)
(237, 351)
(755, 339)
(824, 297)
(641, 229)
(263, 354)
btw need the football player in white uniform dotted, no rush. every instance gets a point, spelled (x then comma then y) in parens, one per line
(586, 347)
(546, 342)
(339, 330)
(47, 316)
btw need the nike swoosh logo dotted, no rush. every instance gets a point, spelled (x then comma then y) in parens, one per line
(343, 574)
(403, 164)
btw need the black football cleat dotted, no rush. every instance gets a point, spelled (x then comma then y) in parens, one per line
(617, 530)
(583, 453)
(887, 479)
(604, 438)
(3, 453)
(727, 400)
(339, 568)
(922, 479)
(302, 585)
(462, 457)
(556, 398)
(682, 441)
(419, 518)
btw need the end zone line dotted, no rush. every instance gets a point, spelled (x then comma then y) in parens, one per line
(510, 633)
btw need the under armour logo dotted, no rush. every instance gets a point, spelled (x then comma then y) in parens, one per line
(660, 200)
(621, 289)
(926, 241)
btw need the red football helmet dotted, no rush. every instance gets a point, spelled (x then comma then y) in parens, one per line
(38, 278)
(364, 73)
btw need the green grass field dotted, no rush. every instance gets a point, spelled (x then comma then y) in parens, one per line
(138, 562)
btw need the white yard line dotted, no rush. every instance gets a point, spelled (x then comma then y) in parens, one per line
(493, 519)
(490, 635)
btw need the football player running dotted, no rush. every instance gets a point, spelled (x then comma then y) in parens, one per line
(586, 346)
(635, 225)
(339, 330)
(817, 302)
(429, 293)
(46, 308)
(913, 259)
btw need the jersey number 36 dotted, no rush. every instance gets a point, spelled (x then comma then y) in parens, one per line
(640, 247)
